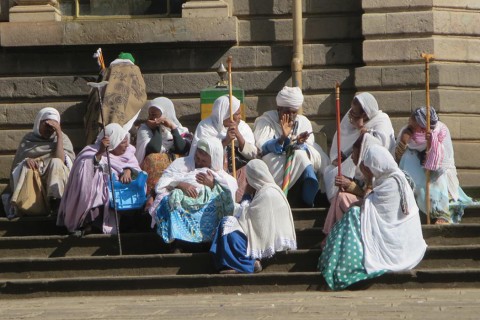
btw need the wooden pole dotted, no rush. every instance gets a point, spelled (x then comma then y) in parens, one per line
(339, 150)
(230, 95)
(427, 57)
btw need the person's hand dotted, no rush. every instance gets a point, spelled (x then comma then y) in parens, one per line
(406, 135)
(287, 125)
(428, 137)
(152, 124)
(342, 182)
(207, 179)
(166, 123)
(104, 143)
(55, 126)
(188, 189)
(302, 137)
(363, 129)
(231, 135)
(126, 176)
(31, 164)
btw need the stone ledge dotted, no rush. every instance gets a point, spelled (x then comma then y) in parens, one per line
(284, 7)
(21, 34)
(413, 76)
(469, 178)
(404, 5)
(409, 50)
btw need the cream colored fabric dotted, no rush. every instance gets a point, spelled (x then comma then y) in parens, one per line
(392, 238)
(267, 220)
(267, 127)
(291, 97)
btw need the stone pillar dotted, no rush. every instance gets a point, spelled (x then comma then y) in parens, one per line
(35, 10)
(396, 33)
(205, 9)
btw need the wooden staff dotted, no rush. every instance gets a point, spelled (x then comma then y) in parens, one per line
(339, 150)
(427, 58)
(230, 95)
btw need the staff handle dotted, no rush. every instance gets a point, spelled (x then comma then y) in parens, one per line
(339, 150)
(427, 57)
(230, 96)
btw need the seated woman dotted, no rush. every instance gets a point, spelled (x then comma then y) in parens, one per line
(48, 154)
(444, 186)
(260, 227)
(159, 139)
(384, 234)
(352, 189)
(363, 116)
(193, 194)
(219, 126)
(86, 200)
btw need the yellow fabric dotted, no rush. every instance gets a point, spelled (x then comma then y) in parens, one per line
(31, 198)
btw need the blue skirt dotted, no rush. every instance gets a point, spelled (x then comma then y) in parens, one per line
(229, 251)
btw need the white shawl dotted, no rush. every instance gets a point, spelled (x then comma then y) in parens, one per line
(266, 221)
(378, 125)
(179, 170)
(145, 134)
(267, 127)
(392, 238)
(213, 126)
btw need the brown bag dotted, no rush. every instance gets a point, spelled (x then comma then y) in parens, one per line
(31, 200)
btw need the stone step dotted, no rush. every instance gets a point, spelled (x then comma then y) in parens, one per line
(150, 243)
(437, 257)
(219, 283)
(304, 218)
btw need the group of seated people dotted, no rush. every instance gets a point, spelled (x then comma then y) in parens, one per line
(372, 226)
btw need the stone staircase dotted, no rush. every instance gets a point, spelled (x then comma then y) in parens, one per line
(39, 259)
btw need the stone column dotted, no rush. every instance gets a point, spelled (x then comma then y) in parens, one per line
(396, 33)
(205, 9)
(35, 10)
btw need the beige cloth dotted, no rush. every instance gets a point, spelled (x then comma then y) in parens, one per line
(123, 98)
(53, 175)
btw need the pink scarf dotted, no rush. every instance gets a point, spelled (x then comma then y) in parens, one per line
(437, 150)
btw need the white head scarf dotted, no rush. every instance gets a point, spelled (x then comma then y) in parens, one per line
(267, 221)
(368, 103)
(291, 97)
(116, 134)
(145, 134)
(214, 148)
(212, 127)
(390, 223)
(221, 111)
(45, 114)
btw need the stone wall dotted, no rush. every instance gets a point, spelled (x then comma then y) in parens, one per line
(376, 49)
(396, 33)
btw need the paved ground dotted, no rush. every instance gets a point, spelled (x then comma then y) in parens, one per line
(371, 304)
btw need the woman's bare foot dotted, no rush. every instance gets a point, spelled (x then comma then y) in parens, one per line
(442, 221)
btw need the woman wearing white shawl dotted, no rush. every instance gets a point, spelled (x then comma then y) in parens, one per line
(159, 139)
(219, 126)
(383, 235)
(48, 151)
(261, 227)
(363, 116)
(274, 134)
(351, 190)
(85, 204)
(193, 194)
(444, 185)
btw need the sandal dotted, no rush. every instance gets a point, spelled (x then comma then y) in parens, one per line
(228, 271)
(257, 267)
(442, 221)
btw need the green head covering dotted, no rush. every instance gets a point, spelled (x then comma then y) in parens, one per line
(126, 55)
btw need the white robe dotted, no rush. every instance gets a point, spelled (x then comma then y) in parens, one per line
(379, 126)
(267, 127)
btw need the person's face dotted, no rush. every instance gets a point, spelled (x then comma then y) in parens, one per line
(414, 125)
(154, 113)
(121, 148)
(202, 159)
(357, 116)
(355, 155)
(237, 116)
(365, 170)
(291, 112)
(45, 129)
